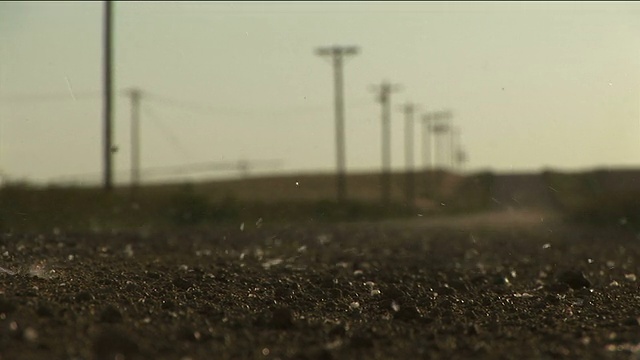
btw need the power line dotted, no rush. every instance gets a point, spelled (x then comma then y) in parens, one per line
(192, 107)
(200, 109)
(51, 97)
(241, 166)
(168, 134)
(195, 108)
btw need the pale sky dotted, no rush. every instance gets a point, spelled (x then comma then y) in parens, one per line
(532, 85)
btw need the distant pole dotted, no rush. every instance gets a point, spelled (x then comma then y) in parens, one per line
(409, 109)
(440, 127)
(426, 141)
(108, 105)
(438, 130)
(136, 96)
(243, 168)
(426, 150)
(338, 53)
(453, 144)
(461, 158)
(384, 98)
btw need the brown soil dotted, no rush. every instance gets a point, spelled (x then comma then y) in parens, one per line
(452, 289)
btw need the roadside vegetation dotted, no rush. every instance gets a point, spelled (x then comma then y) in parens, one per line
(597, 198)
(276, 200)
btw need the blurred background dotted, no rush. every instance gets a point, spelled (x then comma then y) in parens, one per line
(530, 85)
(217, 91)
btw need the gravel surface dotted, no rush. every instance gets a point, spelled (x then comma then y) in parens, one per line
(370, 291)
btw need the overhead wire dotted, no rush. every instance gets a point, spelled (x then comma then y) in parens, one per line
(51, 97)
(168, 134)
(192, 107)
(195, 108)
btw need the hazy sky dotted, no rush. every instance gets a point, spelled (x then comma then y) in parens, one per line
(531, 85)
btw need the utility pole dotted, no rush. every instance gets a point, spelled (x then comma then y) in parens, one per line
(427, 119)
(440, 127)
(439, 130)
(338, 54)
(461, 158)
(408, 110)
(426, 140)
(384, 97)
(136, 96)
(453, 144)
(108, 97)
(432, 125)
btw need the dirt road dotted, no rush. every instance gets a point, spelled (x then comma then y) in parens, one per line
(496, 219)
(383, 291)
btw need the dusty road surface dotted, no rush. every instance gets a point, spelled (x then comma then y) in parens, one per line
(433, 289)
(497, 219)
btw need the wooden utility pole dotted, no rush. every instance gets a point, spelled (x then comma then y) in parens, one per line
(108, 97)
(136, 96)
(408, 110)
(432, 124)
(426, 141)
(440, 127)
(338, 53)
(384, 97)
(454, 133)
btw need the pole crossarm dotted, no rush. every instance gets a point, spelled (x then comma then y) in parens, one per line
(337, 51)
